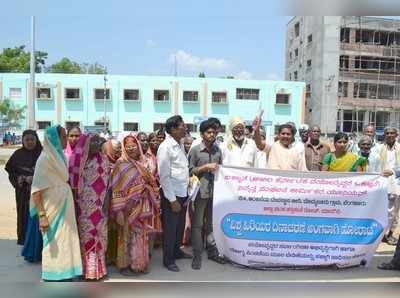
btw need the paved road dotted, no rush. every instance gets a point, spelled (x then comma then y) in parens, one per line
(14, 268)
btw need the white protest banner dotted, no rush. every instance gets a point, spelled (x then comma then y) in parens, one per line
(269, 218)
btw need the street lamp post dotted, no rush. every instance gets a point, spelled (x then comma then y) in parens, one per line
(31, 99)
(105, 103)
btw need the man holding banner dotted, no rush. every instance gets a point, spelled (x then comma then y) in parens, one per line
(204, 160)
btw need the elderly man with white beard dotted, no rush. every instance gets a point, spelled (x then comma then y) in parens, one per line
(237, 150)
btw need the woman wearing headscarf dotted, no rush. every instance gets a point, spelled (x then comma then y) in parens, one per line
(52, 201)
(112, 150)
(89, 179)
(73, 133)
(134, 206)
(151, 164)
(20, 168)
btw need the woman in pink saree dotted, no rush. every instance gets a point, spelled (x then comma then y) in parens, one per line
(89, 175)
(73, 135)
(135, 206)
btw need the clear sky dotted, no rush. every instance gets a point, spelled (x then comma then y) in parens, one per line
(143, 37)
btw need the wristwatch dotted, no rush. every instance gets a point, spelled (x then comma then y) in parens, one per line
(42, 214)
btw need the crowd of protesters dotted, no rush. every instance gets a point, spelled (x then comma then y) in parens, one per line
(88, 201)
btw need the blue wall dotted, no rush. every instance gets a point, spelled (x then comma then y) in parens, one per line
(146, 111)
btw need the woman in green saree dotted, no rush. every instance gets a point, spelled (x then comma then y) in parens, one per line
(341, 160)
(52, 201)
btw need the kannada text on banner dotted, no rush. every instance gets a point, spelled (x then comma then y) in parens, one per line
(266, 218)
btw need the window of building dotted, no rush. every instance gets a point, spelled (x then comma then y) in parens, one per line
(191, 127)
(309, 38)
(157, 126)
(365, 36)
(372, 90)
(43, 124)
(345, 35)
(101, 123)
(247, 93)
(191, 96)
(72, 93)
(385, 91)
(131, 126)
(71, 124)
(276, 129)
(131, 94)
(290, 76)
(297, 29)
(295, 75)
(161, 95)
(15, 93)
(290, 56)
(99, 93)
(342, 89)
(344, 62)
(43, 93)
(282, 99)
(360, 90)
(296, 53)
(308, 64)
(219, 97)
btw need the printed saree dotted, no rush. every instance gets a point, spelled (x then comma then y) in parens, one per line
(134, 205)
(89, 179)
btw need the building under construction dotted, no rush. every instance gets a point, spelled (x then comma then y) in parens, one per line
(351, 66)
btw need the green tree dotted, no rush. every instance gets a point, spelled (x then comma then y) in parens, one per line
(230, 77)
(12, 113)
(65, 65)
(18, 60)
(202, 75)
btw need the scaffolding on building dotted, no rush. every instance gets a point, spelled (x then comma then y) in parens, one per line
(373, 73)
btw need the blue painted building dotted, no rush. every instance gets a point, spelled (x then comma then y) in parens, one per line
(145, 102)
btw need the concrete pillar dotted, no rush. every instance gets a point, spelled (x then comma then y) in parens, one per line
(176, 98)
(352, 62)
(366, 118)
(205, 99)
(350, 89)
(59, 103)
(352, 35)
(303, 106)
(341, 119)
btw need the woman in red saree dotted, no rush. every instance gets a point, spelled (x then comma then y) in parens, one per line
(134, 205)
(89, 175)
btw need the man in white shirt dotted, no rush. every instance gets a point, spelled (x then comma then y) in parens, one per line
(237, 150)
(390, 159)
(373, 164)
(261, 155)
(174, 179)
(368, 131)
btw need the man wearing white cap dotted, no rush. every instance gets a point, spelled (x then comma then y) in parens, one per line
(238, 150)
